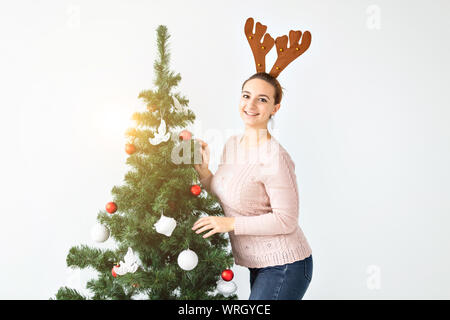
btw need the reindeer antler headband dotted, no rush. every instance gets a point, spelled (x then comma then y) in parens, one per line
(285, 55)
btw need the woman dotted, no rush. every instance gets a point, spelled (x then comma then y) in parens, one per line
(260, 199)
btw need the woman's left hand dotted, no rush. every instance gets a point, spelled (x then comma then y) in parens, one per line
(217, 224)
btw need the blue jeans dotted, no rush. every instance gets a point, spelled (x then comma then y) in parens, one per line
(284, 282)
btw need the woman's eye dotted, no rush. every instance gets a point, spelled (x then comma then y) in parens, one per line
(245, 96)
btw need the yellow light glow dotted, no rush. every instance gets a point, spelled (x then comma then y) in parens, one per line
(112, 123)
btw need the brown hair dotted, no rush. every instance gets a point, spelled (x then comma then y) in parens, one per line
(270, 79)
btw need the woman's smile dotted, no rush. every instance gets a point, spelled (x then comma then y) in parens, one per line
(250, 114)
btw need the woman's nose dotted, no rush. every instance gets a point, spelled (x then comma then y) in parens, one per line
(253, 103)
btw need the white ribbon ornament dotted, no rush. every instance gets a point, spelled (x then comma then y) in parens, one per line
(165, 225)
(226, 288)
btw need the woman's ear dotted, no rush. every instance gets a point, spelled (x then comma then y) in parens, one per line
(275, 110)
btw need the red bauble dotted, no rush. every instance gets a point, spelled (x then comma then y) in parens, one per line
(227, 275)
(130, 148)
(114, 274)
(195, 189)
(111, 207)
(185, 135)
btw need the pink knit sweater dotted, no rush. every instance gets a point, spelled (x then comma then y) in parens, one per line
(258, 186)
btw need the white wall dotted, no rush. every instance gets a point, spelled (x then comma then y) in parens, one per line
(365, 118)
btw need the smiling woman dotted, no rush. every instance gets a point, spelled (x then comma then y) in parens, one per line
(260, 194)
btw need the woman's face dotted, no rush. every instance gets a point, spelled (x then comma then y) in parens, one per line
(257, 103)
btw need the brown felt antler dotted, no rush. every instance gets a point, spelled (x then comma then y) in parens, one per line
(254, 39)
(285, 55)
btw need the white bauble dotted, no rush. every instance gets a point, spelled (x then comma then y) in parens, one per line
(187, 260)
(99, 233)
(226, 288)
(165, 225)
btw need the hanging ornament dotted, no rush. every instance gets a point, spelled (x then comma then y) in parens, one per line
(196, 189)
(99, 233)
(165, 225)
(187, 260)
(185, 135)
(161, 136)
(111, 207)
(113, 272)
(227, 275)
(129, 266)
(130, 148)
(226, 288)
(177, 107)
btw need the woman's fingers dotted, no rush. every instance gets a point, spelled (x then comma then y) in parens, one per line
(202, 143)
(206, 155)
(200, 222)
(207, 227)
(205, 151)
(205, 159)
(206, 235)
(206, 223)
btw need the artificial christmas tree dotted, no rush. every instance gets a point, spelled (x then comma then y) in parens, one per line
(157, 255)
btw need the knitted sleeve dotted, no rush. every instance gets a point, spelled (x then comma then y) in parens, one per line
(281, 187)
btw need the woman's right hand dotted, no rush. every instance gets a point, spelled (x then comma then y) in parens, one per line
(202, 168)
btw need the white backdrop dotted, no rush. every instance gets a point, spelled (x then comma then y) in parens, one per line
(364, 117)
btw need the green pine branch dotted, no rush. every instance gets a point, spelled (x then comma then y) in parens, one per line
(66, 293)
(83, 256)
